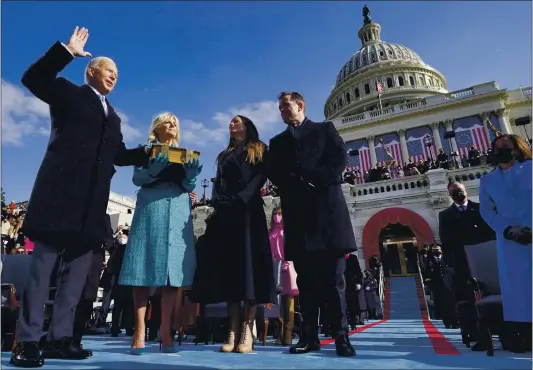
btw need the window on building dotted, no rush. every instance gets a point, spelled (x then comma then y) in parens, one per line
(367, 89)
(348, 97)
(400, 81)
(411, 81)
(421, 81)
(357, 93)
(389, 82)
(340, 102)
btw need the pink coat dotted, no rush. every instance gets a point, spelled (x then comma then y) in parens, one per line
(28, 245)
(288, 274)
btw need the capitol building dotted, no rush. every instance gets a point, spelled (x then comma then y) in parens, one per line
(387, 100)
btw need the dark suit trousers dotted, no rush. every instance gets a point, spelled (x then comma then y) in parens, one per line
(71, 279)
(321, 280)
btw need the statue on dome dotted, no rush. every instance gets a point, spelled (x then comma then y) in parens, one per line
(366, 14)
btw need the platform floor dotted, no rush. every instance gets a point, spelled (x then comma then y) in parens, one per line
(405, 339)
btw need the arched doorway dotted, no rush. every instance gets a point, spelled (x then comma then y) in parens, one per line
(398, 250)
(394, 216)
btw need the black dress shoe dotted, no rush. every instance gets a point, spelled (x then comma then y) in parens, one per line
(87, 351)
(64, 349)
(343, 346)
(304, 347)
(27, 354)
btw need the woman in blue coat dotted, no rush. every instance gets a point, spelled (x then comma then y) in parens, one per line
(161, 250)
(505, 204)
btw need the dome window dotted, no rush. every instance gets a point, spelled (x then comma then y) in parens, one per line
(411, 81)
(390, 52)
(421, 81)
(400, 81)
(367, 89)
(335, 106)
(357, 93)
(373, 57)
(381, 53)
(389, 82)
(340, 102)
(348, 97)
(350, 66)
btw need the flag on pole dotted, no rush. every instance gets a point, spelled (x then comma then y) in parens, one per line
(386, 148)
(379, 88)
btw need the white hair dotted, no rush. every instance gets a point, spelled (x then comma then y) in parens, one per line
(94, 63)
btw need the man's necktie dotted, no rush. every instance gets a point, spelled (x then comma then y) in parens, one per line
(462, 208)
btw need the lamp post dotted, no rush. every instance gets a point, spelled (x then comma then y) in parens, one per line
(205, 185)
(428, 141)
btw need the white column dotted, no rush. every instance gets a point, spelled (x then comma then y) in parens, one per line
(436, 136)
(503, 118)
(372, 148)
(485, 116)
(403, 145)
(448, 125)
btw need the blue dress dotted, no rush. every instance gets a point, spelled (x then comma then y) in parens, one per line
(160, 249)
(505, 200)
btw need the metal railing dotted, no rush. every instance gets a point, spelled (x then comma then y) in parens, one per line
(381, 288)
(421, 277)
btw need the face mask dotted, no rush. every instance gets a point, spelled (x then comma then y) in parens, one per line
(122, 241)
(458, 196)
(277, 219)
(503, 155)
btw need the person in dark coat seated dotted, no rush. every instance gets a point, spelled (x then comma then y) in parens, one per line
(234, 259)
(66, 213)
(306, 164)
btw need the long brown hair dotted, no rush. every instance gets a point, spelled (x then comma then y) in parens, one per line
(255, 148)
(274, 212)
(522, 149)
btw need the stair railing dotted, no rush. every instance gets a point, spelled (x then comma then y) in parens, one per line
(381, 288)
(421, 278)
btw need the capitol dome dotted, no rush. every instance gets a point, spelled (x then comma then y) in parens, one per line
(402, 73)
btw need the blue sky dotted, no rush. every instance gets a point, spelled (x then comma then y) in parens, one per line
(207, 61)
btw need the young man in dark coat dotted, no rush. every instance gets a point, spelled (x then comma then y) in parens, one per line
(306, 164)
(67, 209)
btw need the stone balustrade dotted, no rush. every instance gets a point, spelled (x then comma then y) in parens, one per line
(414, 185)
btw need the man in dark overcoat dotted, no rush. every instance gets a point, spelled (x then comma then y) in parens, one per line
(67, 209)
(306, 163)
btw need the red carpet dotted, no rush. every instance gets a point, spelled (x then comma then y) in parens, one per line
(386, 316)
(440, 344)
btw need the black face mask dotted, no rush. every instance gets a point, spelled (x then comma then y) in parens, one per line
(503, 155)
(458, 196)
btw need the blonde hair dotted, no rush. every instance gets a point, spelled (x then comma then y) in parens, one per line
(158, 120)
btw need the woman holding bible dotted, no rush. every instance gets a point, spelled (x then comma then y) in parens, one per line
(161, 251)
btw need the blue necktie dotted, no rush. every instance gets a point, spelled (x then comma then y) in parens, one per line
(462, 208)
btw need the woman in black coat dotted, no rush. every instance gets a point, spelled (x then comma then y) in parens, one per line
(234, 261)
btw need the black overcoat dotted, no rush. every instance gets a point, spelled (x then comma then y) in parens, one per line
(234, 261)
(68, 203)
(457, 229)
(315, 218)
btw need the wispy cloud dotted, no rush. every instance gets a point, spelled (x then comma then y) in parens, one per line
(23, 116)
(264, 115)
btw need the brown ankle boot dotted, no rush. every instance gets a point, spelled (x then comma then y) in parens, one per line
(246, 344)
(234, 316)
(289, 321)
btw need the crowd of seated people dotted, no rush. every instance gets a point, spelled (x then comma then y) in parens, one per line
(387, 170)
(13, 239)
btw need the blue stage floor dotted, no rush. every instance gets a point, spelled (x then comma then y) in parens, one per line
(402, 342)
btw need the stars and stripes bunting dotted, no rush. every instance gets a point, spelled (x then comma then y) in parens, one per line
(466, 137)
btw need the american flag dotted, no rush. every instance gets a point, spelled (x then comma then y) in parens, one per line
(362, 161)
(395, 150)
(417, 149)
(192, 195)
(379, 87)
(466, 137)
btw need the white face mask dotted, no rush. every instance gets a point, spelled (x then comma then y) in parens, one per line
(122, 241)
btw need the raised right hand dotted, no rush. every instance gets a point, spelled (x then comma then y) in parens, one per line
(158, 164)
(77, 42)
